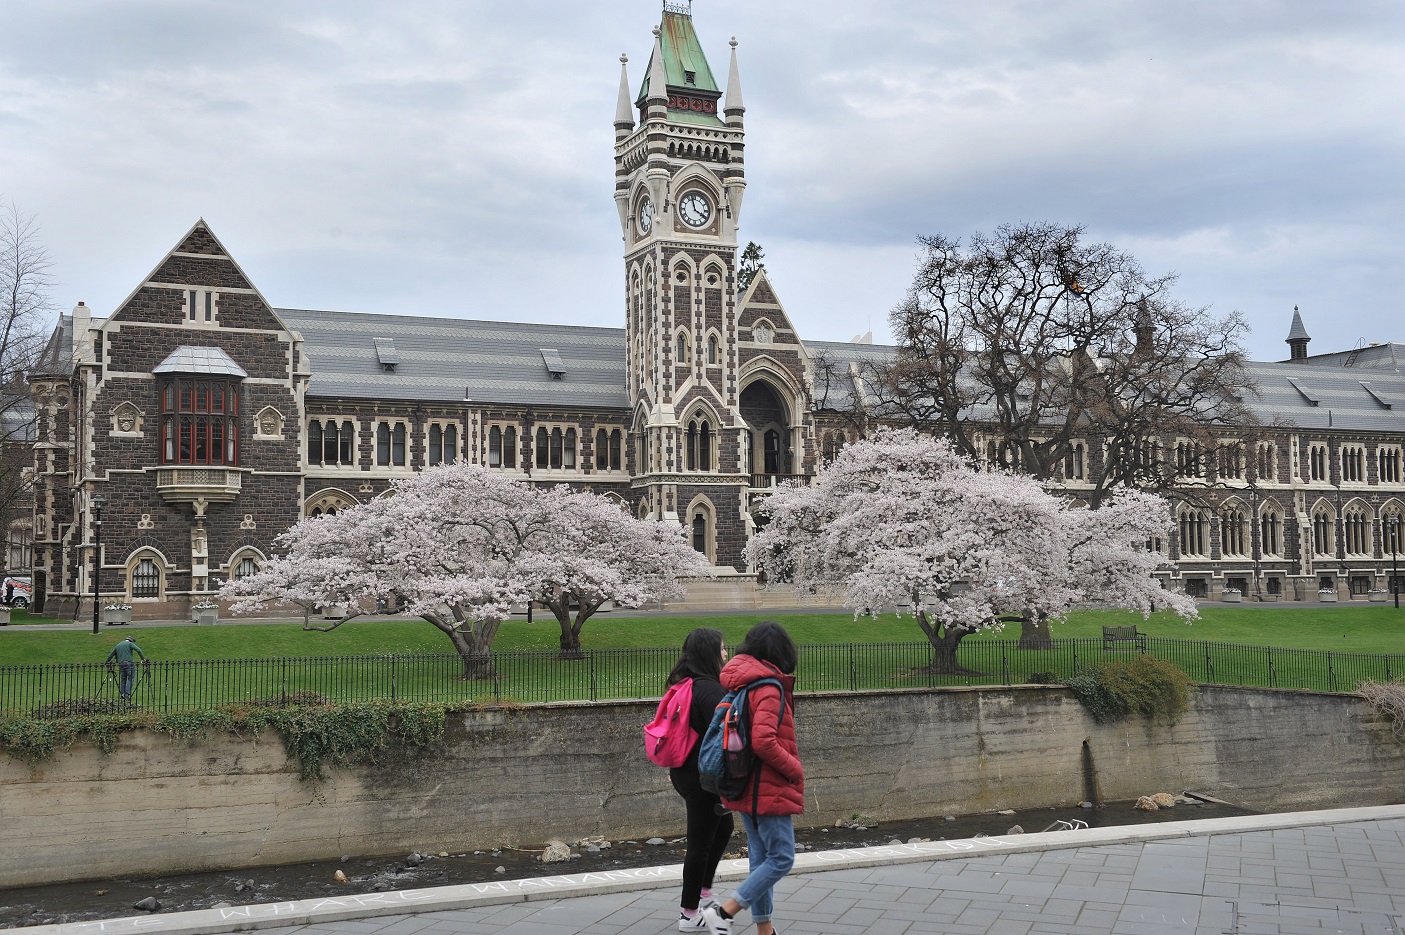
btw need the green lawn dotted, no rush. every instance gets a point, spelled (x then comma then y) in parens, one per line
(363, 660)
(1355, 628)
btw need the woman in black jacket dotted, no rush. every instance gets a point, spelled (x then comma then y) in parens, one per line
(709, 825)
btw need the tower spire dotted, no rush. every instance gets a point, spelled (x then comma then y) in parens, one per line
(624, 110)
(734, 108)
(1297, 337)
(657, 100)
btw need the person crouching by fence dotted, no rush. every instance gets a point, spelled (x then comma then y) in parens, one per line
(124, 652)
(776, 790)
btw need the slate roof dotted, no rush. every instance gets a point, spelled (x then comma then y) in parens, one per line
(1296, 331)
(57, 357)
(450, 359)
(1360, 390)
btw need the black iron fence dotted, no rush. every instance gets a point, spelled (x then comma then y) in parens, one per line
(542, 676)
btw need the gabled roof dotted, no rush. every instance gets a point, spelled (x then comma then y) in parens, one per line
(202, 242)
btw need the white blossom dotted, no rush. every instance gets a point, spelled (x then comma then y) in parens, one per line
(902, 519)
(461, 546)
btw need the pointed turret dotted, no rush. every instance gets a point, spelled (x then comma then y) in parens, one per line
(735, 108)
(624, 108)
(656, 86)
(1144, 329)
(1297, 337)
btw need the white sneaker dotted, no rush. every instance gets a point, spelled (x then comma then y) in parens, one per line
(714, 921)
(695, 924)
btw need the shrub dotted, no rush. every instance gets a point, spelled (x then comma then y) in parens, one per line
(1146, 686)
(1041, 678)
(1388, 698)
(314, 733)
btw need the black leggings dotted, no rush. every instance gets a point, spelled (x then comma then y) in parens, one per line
(708, 834)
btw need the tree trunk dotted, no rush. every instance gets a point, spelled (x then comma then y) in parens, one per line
(570, 641)
(945, 641)
(475, 647)
(570, 636)
(1034, 632)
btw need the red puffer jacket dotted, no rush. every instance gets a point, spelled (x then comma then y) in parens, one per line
(777, 787)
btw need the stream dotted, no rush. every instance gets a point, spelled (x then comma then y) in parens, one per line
(115, 898)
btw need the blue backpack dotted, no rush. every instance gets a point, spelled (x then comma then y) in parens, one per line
(725, 758)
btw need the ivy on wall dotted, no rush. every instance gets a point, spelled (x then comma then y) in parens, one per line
(315, 733)
(1146, 686)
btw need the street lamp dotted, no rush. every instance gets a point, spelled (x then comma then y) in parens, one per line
(98, 503)
(1393, 521)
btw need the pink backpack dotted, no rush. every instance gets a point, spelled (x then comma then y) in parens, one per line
(669, 737)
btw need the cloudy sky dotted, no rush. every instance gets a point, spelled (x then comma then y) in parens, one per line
(455, 158)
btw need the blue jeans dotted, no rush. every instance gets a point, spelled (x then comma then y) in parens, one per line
(770, 848)
(128, 672)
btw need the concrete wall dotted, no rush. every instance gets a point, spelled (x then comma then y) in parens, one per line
(522, 775)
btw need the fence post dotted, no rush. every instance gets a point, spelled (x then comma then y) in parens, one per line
(853, 672)
(1272, 672)
(594, 685)
(393, 660)
(1331, 674)
(1209, 665)
(1004, 662)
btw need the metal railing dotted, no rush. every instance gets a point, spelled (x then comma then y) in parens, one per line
(542, 676)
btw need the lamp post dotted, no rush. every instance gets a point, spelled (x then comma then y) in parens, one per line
(98, 503)
(1393, 521)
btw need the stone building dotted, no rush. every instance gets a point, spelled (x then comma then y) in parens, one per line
(203, 421)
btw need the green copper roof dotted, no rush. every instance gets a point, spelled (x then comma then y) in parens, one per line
(682, 53)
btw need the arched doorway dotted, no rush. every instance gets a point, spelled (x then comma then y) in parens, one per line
(769, 429)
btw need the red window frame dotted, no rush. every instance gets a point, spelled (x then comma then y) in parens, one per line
(199, 422)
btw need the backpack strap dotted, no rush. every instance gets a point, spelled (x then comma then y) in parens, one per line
(760, 765)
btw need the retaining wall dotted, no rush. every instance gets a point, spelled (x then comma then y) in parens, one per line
(523, 775)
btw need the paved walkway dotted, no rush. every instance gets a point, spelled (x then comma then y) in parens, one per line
(1307, 872)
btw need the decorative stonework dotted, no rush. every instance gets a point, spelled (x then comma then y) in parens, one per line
(268, 424)
(248, 522)
(145, 522)
(763, 333)
(127, 421)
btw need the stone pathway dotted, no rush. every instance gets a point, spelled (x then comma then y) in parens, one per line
(1308, 872)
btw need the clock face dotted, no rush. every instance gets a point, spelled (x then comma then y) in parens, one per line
(695, 209)
(646, 215)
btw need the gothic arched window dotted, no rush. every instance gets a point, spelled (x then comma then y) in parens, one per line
(1270, 532)
(543, 447)
(1233, 531)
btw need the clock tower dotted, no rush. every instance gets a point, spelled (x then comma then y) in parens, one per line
(679, 179)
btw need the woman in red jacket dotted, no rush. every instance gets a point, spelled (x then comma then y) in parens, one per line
(776, 789)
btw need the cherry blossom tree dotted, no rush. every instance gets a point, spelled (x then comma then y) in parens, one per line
(903, 519)
(599, 553)
(460, 546)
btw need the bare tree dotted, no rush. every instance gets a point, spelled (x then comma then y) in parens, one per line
(25, 281)
(1025, 343)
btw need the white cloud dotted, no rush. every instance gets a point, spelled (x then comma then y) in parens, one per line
(455, 158)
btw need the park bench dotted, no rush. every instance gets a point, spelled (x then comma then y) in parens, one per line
(1114, 635)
